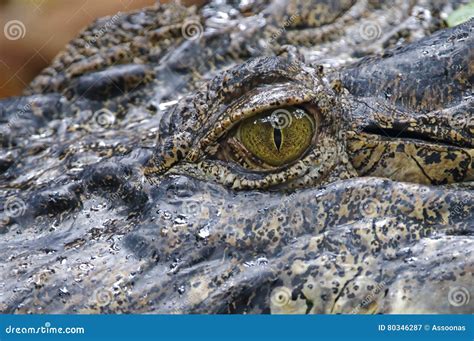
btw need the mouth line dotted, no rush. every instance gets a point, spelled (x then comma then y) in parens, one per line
(403, 133)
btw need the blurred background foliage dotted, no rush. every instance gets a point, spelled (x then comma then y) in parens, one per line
(49, 25)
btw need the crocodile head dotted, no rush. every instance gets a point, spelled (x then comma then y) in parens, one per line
(234, 173)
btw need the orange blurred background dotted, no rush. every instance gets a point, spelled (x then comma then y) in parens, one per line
(44, 27)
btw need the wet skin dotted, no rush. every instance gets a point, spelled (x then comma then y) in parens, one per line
(144, 189)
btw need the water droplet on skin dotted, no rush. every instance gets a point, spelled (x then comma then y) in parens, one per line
(173, 269)
(180, 219)
(204, 232)
(98, 207)
(166, 215)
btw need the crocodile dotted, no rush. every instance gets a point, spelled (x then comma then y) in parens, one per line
(245, 157)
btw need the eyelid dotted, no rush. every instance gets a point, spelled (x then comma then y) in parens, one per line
(266, 98)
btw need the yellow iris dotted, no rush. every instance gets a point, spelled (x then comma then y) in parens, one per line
(278, 137)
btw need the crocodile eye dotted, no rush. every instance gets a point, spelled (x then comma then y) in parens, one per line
(274, 138)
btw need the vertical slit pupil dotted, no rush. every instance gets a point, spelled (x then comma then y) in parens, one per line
(277, 138)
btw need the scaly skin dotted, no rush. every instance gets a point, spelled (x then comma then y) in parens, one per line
(152, 211)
